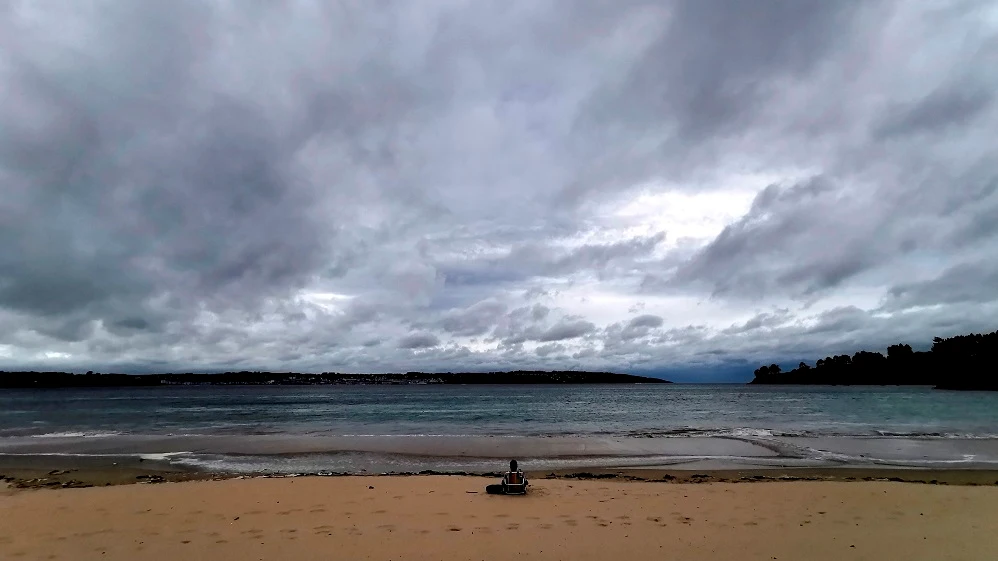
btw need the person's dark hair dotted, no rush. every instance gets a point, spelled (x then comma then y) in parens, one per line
(512, 465)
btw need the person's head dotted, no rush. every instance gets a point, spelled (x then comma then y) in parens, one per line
(512, 465)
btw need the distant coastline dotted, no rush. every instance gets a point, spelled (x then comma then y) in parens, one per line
(963, 362)
(247, 378)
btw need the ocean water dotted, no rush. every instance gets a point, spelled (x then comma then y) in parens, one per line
(365, 429)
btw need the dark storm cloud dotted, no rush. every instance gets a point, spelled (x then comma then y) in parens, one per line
(419, 341)
(546, 350)
(706, 75)
(371, 186)
(715, 62)
(565, 330)
(971, 283)
(476, 320)
(535, 323)
(764, 320)
(636, 328)
(131, 181)
(954, 105)
(646, 320)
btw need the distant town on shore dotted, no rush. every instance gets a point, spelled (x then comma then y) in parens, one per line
(964, 362)
(246, 378)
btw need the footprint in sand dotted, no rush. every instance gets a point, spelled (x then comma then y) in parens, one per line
(317, 510)
(571, 522)
(454, 529)
(512, 526)
(545, 526)
(221, 541)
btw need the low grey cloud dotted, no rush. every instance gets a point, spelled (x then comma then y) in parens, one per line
(966, 283)
(419, 341)
(565, 330)
(381, 186)
(951, 106)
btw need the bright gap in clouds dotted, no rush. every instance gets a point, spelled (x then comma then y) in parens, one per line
(689, 219)
(693, 217)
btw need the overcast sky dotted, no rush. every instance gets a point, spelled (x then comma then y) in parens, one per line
(683, 188)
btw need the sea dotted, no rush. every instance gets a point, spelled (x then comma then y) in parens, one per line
(478, 428)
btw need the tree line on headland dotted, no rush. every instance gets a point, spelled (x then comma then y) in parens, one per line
(246, 378)
(963, 362)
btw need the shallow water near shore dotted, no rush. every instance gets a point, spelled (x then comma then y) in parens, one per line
(368, 429)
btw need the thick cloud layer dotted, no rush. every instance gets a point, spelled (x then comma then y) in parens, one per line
(375, 186)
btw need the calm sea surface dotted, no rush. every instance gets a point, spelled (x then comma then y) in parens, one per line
(409, 428)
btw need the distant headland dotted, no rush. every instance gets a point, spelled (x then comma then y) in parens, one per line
(964, 362)
(246, 378)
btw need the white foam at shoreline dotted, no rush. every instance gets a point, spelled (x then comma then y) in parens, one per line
(73, 434)
(163, 456)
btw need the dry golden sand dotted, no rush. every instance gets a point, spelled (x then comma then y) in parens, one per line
(450, 517)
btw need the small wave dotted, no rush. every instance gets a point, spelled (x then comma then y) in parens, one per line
(940, 435)
(429, 435)
(164, 456)
(361, 463)
(74, 434)
(748, 432)
(739, 432)
(65, 454)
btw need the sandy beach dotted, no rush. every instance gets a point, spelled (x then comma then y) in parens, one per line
(450, 517)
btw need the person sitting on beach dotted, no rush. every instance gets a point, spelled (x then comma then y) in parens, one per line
(514, 476)
(514, 482)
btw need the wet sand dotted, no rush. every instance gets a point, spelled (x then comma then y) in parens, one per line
(26, 471)
(450, 517)
(78, 471)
